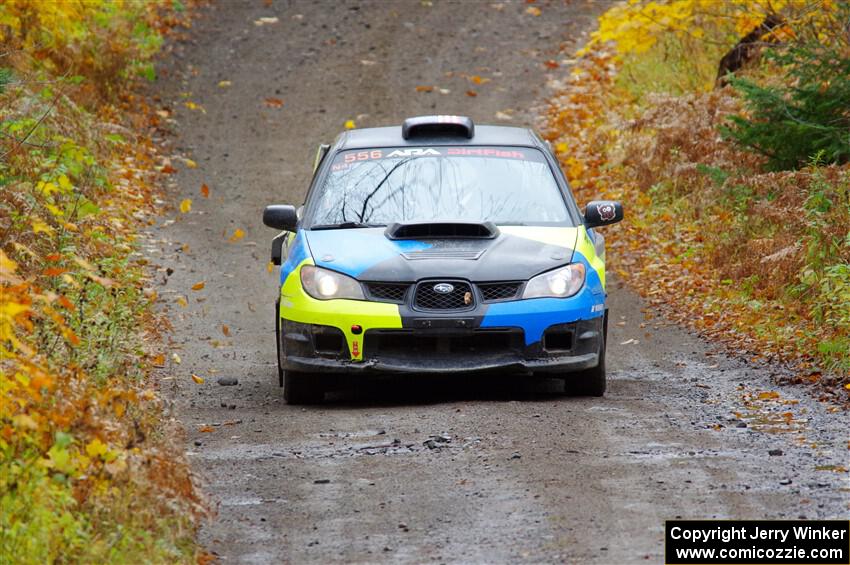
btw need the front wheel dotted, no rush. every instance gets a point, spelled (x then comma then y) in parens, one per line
(590, 382)
(302, 388)
(278, 343)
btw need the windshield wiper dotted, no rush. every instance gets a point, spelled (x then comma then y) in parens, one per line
(345, 225)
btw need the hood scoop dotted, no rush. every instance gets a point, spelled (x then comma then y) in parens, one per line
(442, 230)
(462, 254)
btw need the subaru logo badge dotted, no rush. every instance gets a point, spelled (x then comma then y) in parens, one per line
(443, 288)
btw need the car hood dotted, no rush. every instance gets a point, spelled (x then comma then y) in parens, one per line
(516, 253)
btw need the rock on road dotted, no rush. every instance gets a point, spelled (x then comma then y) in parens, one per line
(468, 470)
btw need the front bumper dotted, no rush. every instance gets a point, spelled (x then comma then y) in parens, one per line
(564, 347)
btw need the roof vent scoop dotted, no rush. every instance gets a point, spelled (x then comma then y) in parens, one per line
(438, 126)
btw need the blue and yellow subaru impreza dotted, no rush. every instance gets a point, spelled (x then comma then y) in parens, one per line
(435, 247)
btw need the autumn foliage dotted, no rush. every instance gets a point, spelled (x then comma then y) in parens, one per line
(757, 259)
(88, 470)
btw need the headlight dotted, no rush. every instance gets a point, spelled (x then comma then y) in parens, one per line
(559, 283)
(325, 284)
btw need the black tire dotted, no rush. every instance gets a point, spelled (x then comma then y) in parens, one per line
(302, 388)
(277, 339)
(590, 382)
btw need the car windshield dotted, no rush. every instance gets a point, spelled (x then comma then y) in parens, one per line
(503, 185)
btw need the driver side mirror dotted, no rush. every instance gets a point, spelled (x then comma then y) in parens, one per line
(602, 213)
(280, 217)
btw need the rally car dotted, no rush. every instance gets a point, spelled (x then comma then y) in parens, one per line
(439, 247)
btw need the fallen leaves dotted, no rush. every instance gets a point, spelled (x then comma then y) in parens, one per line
(266, 20)
(273, 102)
(205, 190)
(225, 330)
(471, 93)
(198, 285)
(186, 205)
(198, 380)
(422, 88)
(349, 124)
(194, 107)
(533, 10)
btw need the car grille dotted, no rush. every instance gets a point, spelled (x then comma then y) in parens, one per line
(492, 292)
(460, 297)
(388, 292)
(482, 343)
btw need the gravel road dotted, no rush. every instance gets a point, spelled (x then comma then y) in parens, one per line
(422, 469)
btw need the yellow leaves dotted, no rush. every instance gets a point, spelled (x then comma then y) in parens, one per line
(269, 266)
(349, 124)
(197, 379)
(65, 185)
(190, 163)
(176, 358)
(768, 395)
(54, 210)
(194, 107)
(478, 80)
(224, 83)
(25, 421)
(198, 285)
(46, 188)
(205, 190)
(7, 266)
(39, 226)
(237, 235)
(182, 301)
(186, 205)
(533, 10)
(96, 448)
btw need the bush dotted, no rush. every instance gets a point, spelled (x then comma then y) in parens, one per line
(803, 117)
(89, 469)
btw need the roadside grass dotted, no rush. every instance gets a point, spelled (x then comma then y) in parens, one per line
(90, 471)
(759, 260)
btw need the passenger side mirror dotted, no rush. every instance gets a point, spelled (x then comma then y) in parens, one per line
(602, 213)
(281, 217)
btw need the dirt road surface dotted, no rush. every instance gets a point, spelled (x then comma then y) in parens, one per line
(512, 472)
